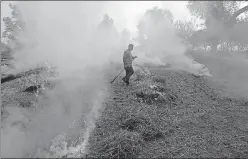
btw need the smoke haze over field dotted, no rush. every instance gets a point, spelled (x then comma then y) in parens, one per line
(65, 35)
(60, 33)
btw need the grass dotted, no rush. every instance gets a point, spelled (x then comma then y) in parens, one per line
(164, 113)
(171, 114)
(14, 92)
(228, 69)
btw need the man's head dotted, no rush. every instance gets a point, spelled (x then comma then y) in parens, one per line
(130, 47)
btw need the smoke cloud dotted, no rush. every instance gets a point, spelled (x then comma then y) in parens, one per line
(65, 35)
(163, 46)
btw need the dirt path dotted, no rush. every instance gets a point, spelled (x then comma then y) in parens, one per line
(179, 116)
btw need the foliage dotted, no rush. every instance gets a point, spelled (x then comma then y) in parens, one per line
(106, 23)
(13, 24)
(154, 26)
(221, 20)
(152, 18)
(157, 15)
(107, 34)
(184, 29)
(217, 9)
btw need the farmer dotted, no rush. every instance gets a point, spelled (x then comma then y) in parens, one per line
(128, 60)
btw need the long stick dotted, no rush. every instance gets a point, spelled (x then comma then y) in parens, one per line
(117, 76)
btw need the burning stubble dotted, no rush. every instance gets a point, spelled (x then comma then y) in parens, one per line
(62, 34)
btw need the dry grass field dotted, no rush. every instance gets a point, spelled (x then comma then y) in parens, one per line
(164, 113)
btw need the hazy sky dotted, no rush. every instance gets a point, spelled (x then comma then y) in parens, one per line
(131, 11)
(126, 13)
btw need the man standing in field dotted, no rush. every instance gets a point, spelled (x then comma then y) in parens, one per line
(128, 60)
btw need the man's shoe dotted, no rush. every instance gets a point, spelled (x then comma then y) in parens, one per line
(127, 83)
(123, 79)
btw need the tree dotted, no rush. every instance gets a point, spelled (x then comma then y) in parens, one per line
(153, 27)
(13, 25)
(220, 10)
(107, 34)
(157, 15)
(5, 52)
(184, 29)
(157, 36)
(220, 18)
(106, 24)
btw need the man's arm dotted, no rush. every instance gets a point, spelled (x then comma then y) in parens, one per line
(134, 57)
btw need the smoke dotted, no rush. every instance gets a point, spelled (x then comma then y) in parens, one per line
(63, 34)
(163, 46)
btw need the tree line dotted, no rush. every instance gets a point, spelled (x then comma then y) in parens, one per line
(224, 28)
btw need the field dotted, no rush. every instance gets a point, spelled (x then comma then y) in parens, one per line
(171, 114)
(164, 113)
(228, 69)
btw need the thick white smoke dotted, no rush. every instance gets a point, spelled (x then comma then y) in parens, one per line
(64, 34)
(163, 46)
